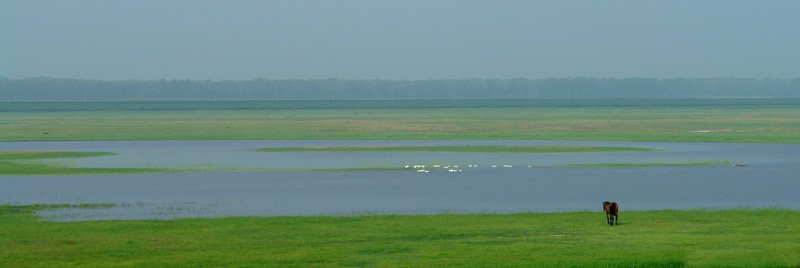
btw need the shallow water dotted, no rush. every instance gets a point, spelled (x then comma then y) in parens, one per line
(769, 180)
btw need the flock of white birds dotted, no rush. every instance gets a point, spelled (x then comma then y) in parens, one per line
(449, 168)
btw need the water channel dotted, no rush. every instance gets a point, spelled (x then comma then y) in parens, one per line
(229, 178)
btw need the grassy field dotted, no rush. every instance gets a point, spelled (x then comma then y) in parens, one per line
(697, 238)
(23, 163)
(662, 124)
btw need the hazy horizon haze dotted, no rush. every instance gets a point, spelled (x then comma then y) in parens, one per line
(243, 40)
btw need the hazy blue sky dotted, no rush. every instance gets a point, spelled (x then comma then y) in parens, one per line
(403, 39)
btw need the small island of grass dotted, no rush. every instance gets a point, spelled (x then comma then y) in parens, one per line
(461, 149)
(699, 163)
(23, 163)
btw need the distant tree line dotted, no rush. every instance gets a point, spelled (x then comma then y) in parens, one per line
(186, 105)
(61, 89)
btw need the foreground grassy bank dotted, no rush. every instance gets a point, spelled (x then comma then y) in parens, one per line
(694, 123)
(24, 163)
(732, 238)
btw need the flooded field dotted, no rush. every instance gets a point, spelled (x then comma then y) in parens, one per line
(228, 178)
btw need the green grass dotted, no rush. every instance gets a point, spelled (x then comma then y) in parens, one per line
(461, 149)
(695, 238)
(700, 163)
(746, 124)
(23, 163)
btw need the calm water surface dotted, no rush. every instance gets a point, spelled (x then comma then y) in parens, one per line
(769, 180)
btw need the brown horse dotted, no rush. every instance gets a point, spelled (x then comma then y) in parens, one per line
(612, 210)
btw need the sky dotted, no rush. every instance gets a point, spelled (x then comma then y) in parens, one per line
(402, 39)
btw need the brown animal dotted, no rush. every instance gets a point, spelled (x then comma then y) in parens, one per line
(612, 210)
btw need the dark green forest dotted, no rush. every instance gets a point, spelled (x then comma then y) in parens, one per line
(63, 89)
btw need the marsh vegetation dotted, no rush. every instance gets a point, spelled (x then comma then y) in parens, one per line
(444, 216)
